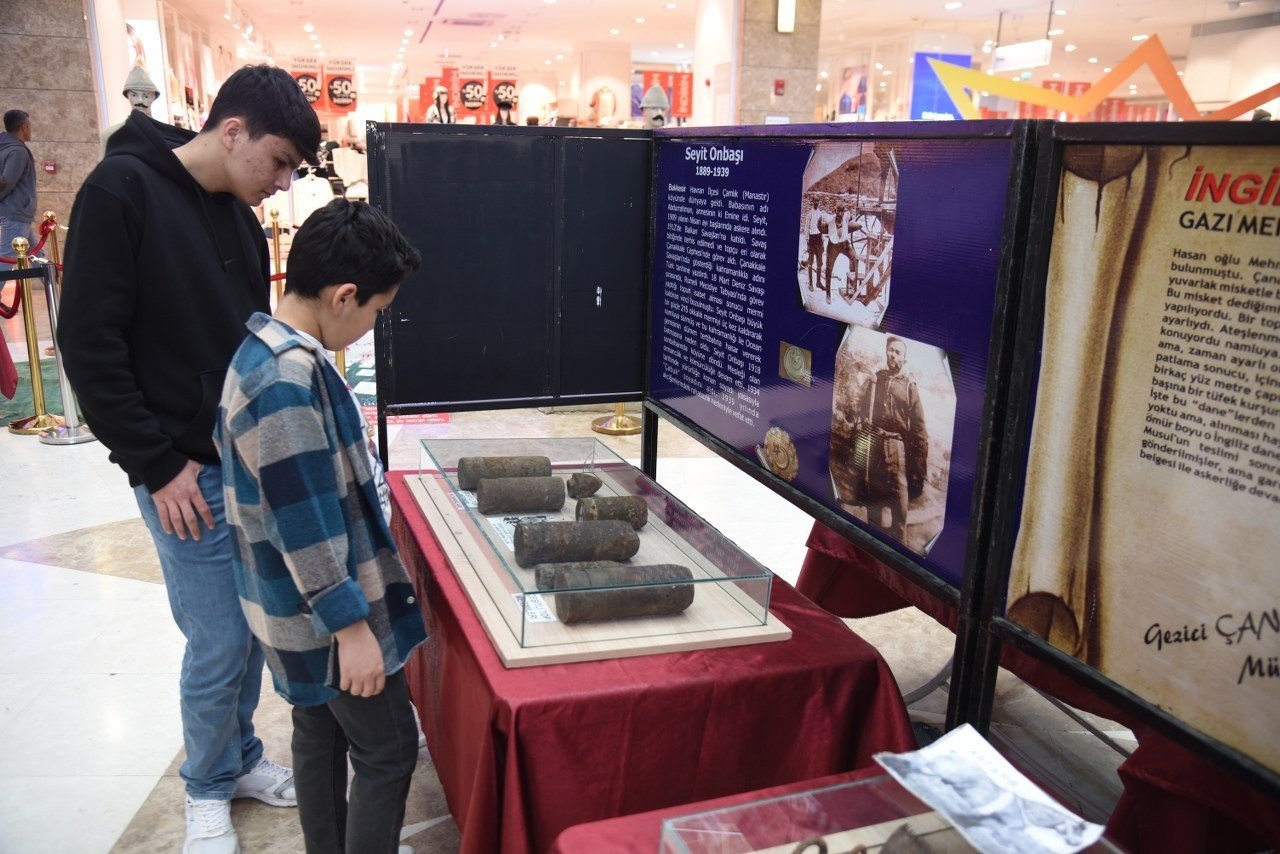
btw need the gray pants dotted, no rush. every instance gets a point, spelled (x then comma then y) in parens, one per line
(381, 735)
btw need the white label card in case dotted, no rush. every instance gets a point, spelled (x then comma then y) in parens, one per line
(536, 609)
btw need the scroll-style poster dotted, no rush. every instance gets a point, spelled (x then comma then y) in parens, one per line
(340, 84)
(306, 70)
(1149, 544)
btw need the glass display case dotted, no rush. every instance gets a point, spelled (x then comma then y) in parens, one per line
(864, 812)
(721, 594)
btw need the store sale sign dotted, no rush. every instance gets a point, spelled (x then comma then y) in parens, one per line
(340, 84)
(473, 94)
(306, 71)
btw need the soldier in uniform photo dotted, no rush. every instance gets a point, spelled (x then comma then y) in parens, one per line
(891, 442)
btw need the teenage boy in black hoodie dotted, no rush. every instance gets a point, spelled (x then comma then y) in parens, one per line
(165, 262)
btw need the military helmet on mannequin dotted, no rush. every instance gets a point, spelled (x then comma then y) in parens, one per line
(140, 90)
(655, 106)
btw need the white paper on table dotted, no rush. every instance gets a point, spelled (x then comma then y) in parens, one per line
(995, 807)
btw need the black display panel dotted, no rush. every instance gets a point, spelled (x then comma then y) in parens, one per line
(533, 265)
(828, 305)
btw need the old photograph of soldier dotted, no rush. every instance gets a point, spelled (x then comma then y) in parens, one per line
(893, 413)
(847, 213)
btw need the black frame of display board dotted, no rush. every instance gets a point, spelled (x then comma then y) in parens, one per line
(997, 629)
(566, 324)
(968, 599)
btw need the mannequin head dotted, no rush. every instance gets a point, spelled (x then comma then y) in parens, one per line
(139, 89)
(655, 106)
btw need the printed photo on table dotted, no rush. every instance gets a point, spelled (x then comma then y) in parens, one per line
(893, 412)
(847, 214)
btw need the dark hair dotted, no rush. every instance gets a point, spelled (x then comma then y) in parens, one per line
(270, 102)
(14, 120)
(349, 242)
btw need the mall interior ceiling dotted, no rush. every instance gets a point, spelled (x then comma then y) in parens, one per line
(397, 43)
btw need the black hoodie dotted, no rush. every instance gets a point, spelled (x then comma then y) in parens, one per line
(160, 279)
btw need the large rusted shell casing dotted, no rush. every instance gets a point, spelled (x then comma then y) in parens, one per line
(582, 484)
(564, 542)
(625, 508)
(579, 606)
(472, 469)
(519, 494)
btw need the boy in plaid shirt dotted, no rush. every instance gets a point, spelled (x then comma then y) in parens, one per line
(319, 578)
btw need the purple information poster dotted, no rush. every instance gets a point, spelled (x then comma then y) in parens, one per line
(824, 305)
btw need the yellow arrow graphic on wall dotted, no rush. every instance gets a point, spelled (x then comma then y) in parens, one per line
(1151, 53)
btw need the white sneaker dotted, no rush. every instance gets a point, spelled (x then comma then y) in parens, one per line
(209, 829)
(268, 782)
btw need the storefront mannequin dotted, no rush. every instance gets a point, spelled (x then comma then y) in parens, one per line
(504, 113)
(141, 93)
(655, 106)
(140, 90)
(440, 112)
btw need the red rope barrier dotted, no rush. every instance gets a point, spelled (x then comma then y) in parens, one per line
(46, 228)
(278, 277)
(8, 313)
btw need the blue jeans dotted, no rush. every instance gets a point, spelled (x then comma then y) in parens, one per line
(222, 667)
(11, 228)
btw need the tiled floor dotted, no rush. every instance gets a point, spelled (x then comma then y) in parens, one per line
(89, 658)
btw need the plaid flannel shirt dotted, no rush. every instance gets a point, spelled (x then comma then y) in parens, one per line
(314, 551)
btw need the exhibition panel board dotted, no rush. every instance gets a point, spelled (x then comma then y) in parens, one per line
(1142, 525)
(829, 307)
(533, 243)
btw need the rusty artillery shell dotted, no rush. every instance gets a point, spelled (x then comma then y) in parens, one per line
(562, 542)
(579, 606)
(626, 508)
(582, 485)
(519, 494)
(472, 469)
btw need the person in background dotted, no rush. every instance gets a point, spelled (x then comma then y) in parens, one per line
(320, 580)
(164, 264)
(17, 182)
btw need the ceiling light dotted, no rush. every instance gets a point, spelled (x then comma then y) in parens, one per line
(1093, 59)
(614, 31)
(1059, 11)
(824, 75)
(879, 65)
(502, 37)
(1069, 48)
(1179, 73)
(886, 72)
(819, 89)
(986, 94)
(559, 56)
(639, 20)
(314, 37)
(549, 2)
(307, 28)
(954, 4)
(493, 44)
(408, 33)
(546, 62)
(653, 53)
(1056, 32)
(1140, 37)
(1056, 75)
(986, 48)
(322, 53)
(671, 5)
(679, 45)
(1106, 70)
(404, 41)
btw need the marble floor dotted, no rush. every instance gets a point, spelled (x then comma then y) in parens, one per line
(89, 657)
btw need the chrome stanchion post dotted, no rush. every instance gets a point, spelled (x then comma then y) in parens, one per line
(73, 431)
(32, 424)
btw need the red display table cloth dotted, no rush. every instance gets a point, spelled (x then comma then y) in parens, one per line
(524, 754)
(1173, 800)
